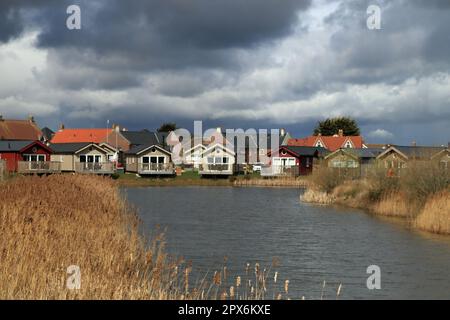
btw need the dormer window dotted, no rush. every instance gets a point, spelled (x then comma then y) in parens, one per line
(319, 144)
(348, 144)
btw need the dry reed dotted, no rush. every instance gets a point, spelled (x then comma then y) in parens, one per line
(51, 223)
(435, 216)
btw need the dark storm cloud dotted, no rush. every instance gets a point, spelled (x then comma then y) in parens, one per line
(413, 40)
(121, 38)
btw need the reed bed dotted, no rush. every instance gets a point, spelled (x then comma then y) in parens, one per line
(435, 216)
(420, 194)
(51, 223)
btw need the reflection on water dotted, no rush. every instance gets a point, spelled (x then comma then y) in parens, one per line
(313, 243)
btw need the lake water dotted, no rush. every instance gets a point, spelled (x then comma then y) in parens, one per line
(312, 243)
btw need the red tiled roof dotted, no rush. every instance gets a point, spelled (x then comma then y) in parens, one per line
(81, 135)
(331, 143)
(19, 130)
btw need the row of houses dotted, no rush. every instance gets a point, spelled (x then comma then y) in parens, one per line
(24, 148)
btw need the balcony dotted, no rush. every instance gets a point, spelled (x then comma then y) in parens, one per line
(216, 169)
(279, 171)
(39, 167)
(156, 169)
(94, 167)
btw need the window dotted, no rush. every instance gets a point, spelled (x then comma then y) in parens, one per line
(210, 160)
(348, 144)
(344, 164)
(34, 157)
(90, 158)
(225, 160)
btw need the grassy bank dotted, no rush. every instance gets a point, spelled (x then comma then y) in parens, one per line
(190, 178)
(420, 194)
(51, 223)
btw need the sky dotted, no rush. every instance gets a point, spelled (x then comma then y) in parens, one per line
(230, 63)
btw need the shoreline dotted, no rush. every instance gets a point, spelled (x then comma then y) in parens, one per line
(130, 180)
(393, 207)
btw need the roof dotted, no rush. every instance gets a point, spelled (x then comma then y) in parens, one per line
(417, 151)
(14, 145)
(306, 151)
(68, 147)
(19, 130)
(81, 135)
(360, 153)
(139, 149)
(331, 143)
(143, 137)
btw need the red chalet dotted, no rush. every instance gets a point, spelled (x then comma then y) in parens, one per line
(293, 161)
(26, 157)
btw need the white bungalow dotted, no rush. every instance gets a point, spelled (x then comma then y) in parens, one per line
(149, 160)
(217, 160)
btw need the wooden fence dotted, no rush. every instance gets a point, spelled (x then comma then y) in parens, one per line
(2, 170)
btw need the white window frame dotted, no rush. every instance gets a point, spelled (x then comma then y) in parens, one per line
(34, 155)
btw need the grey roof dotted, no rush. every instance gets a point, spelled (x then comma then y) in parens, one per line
(365, 152)
(68, 147)
(143, 137)
(418, 151)
(307, 151)
(140, 148)
(47, 133)
(14, 145)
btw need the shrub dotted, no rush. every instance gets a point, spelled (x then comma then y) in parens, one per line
(423, 179)
(115, 176)
(326, 179)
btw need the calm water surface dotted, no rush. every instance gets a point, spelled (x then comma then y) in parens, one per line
(313, 243)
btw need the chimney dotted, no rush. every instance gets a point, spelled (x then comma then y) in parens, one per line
(219, 130)
(414, 144)
(282, 132)
(31, 118)
(61, 127)
(341, 133)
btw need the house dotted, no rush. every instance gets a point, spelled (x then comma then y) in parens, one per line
(149, 160)
(293, 161)
(83, 157)
(356, 162)
(250, 149)
(25, 130)
(27, 157)
(332, 143)
(217, 160)
(442, 158)
(397, 157)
